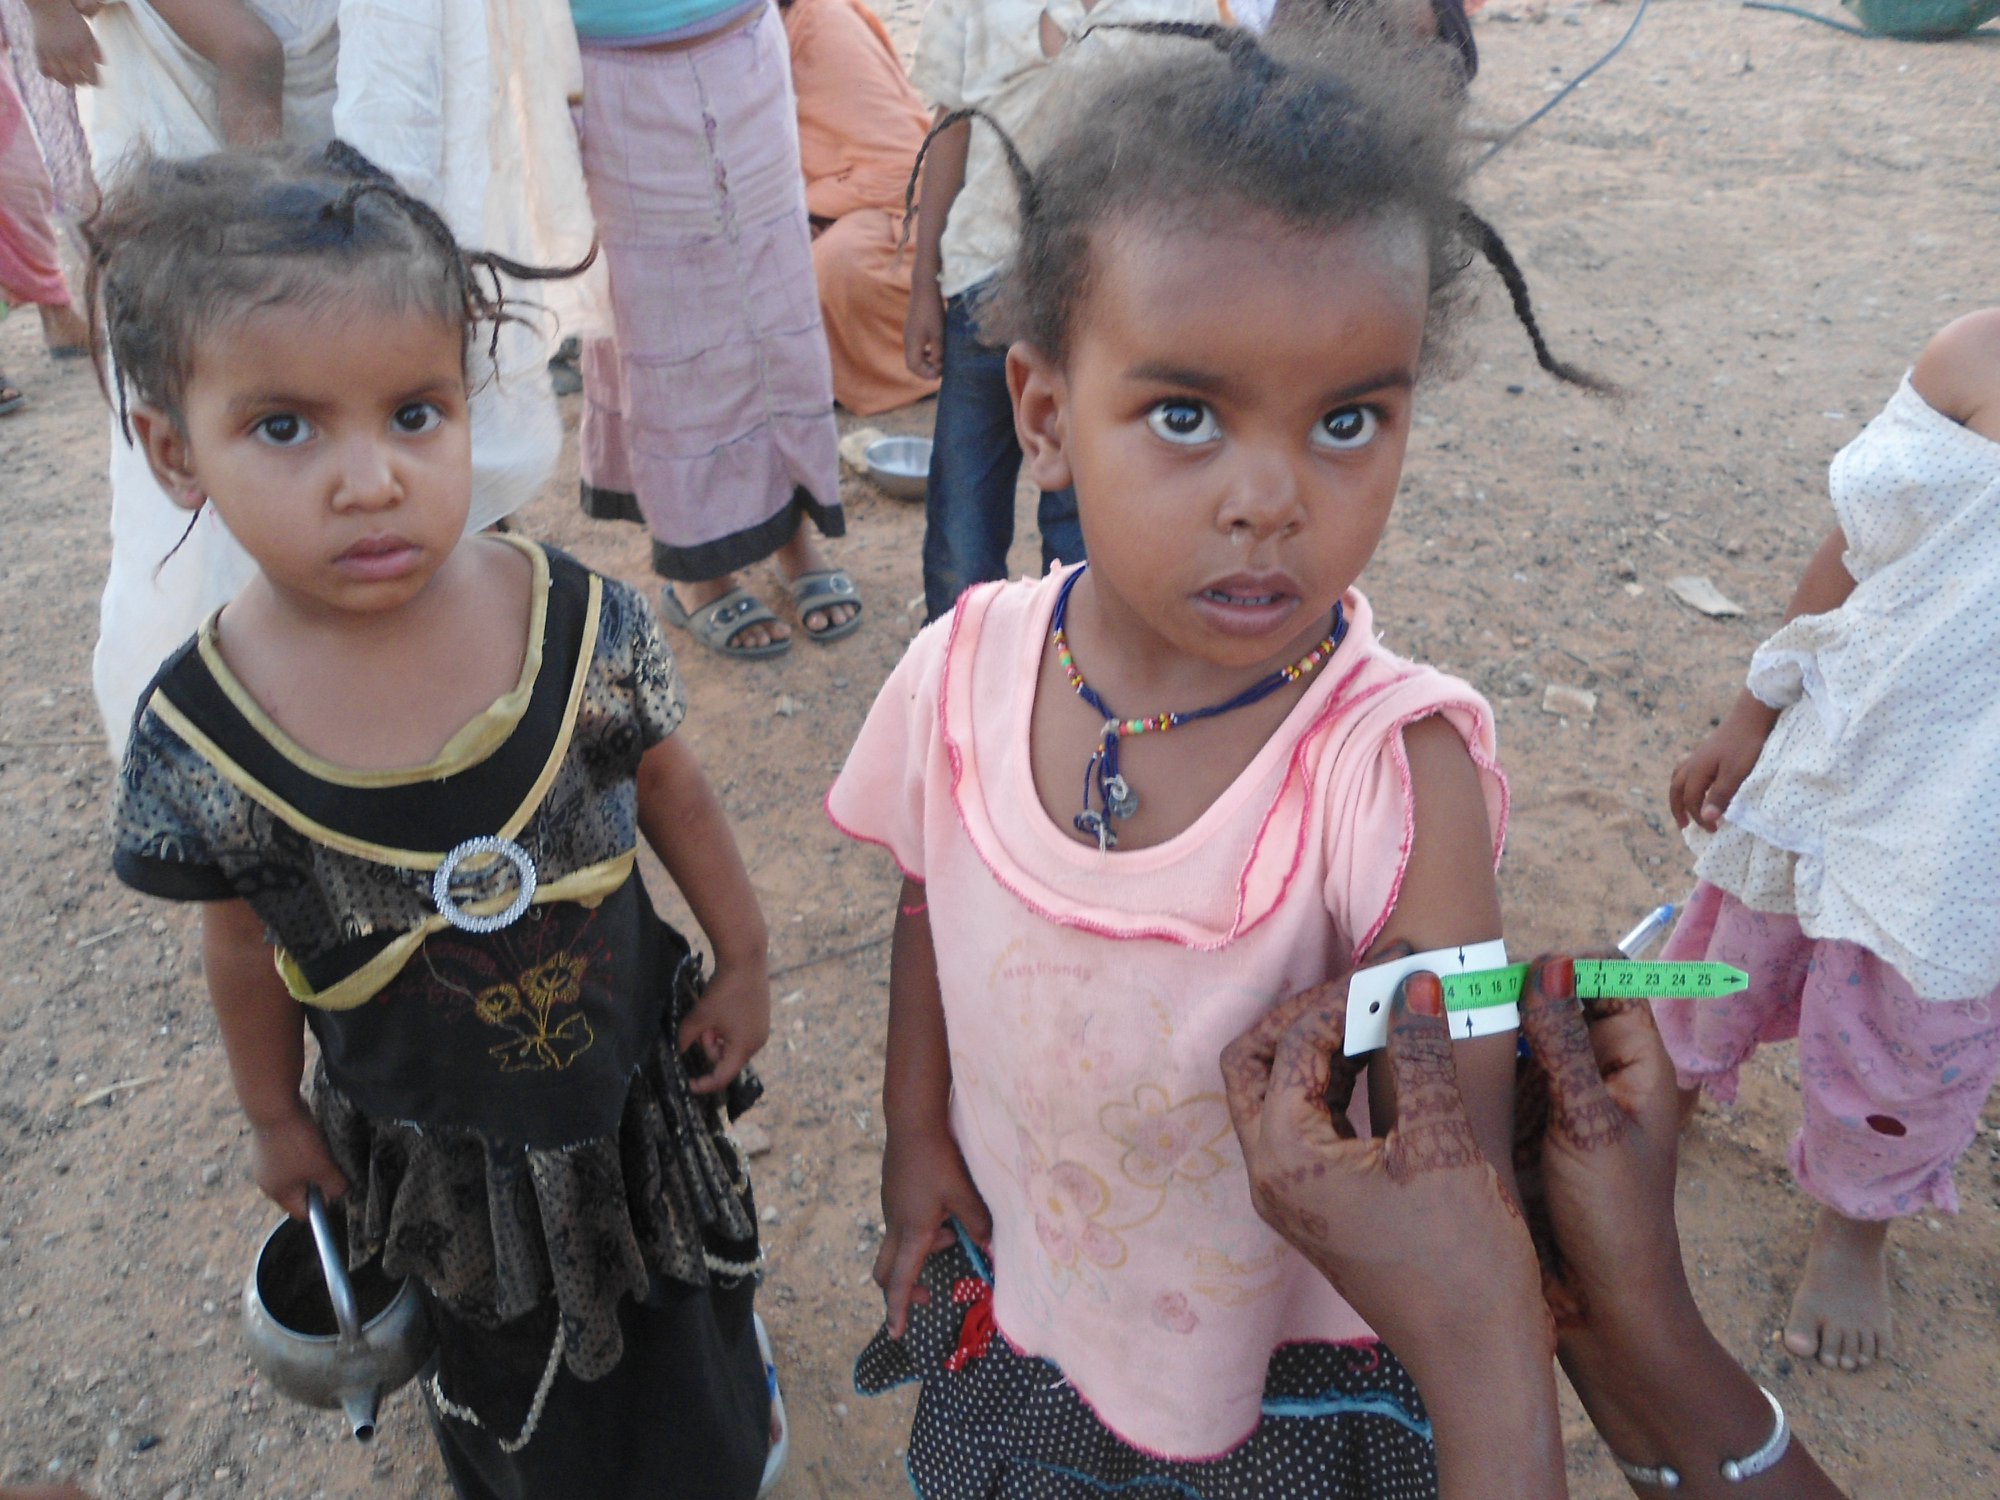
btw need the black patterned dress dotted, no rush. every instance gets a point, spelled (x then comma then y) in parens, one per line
(508, 1106)
(993, 1423)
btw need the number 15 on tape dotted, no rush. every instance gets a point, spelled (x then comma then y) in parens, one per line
(1482, 991)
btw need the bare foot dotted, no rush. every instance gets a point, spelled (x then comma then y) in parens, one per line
(1840, 1313)
(63, 331)
(694, 596)
(802, 555)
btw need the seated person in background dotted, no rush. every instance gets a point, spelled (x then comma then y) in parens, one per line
(860, 124)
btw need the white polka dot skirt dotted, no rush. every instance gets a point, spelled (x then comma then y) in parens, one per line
(1340, 1420)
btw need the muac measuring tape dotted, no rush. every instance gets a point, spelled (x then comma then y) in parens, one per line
(1482, 991)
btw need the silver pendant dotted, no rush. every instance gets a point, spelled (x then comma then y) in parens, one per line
(1119, 799)
(1095, 825)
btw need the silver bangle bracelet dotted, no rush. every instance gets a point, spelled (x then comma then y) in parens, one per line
(1734, 1470)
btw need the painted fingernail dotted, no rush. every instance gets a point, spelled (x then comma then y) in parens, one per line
(1423, 995)
(1559, 977)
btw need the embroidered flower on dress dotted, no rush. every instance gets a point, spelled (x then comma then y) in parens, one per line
(525, 1009)
(1163, 1140)
(1067, 1200)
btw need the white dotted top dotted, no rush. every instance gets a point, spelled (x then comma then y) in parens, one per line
(1874, 811)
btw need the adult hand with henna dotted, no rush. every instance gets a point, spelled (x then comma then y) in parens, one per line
(1428, 1250)
(1413, 1227)
(1596, 1127)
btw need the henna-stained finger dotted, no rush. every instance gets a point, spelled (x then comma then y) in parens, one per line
(1581, 1112)
(1246, 1062)
(1311, 1081)
(1432, 1132)
(1633, 1062)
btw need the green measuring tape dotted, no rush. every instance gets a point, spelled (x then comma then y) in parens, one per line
(1597, 979)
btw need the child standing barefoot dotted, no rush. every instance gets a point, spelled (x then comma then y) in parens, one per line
(1228, 265)
(1853, 794)
(416, 765)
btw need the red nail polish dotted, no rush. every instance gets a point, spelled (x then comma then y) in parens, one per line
(1559, 977)
(1423, 995)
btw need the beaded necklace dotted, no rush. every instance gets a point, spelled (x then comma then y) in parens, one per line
(1102, 784)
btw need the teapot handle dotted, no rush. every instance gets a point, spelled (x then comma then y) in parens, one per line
(340, 1290)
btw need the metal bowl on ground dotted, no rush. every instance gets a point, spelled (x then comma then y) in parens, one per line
(898, 466)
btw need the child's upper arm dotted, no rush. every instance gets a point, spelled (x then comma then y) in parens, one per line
(1448, 896)
(226, 33)
(1959, 372)
(235, 925)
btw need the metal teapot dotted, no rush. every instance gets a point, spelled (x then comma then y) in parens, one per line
(308, 1333)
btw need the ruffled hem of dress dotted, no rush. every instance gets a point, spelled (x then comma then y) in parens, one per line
(496, 1232)
(1285, 812)
(1747, 862)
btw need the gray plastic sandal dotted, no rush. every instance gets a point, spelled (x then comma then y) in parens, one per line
(717, 623)
(819, 590)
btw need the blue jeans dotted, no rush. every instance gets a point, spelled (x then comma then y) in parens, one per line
(975, 462)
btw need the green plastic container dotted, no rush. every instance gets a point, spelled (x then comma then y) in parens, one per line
(1923, 20)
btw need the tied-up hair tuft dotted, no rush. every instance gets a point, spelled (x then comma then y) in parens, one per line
(1337, 121)
(183, 247)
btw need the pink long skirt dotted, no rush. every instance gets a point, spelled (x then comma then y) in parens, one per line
(29, 271)
(710, 414)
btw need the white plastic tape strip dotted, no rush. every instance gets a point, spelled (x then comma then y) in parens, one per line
(1370, 991)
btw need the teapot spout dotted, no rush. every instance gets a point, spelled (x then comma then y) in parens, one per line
(360, 1409)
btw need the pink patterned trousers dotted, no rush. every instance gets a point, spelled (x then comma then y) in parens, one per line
(1893, 1084)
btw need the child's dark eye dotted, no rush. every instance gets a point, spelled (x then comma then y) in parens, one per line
(418, 417)
(1346, 428)
(283, 429)
(1183, 422)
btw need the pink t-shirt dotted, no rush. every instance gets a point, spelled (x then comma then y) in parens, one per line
(1088, 997)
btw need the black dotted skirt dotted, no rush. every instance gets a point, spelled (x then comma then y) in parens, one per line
(1340, 1420)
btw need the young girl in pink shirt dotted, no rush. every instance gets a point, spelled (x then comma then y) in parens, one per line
(1228, 273)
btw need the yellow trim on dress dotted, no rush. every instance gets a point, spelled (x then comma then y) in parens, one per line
(586, 887)
(408, 859)
(473, 741)
(471, 744)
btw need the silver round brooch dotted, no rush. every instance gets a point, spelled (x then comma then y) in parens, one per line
(457, 915)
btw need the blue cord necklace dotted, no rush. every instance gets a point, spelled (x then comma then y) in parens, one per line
(1106, 793)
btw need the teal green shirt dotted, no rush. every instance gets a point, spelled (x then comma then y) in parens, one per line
(644, 20)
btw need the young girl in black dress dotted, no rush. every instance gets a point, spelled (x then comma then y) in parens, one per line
(406, 771)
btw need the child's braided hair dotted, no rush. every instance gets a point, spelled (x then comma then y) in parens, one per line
(1320, 128)
(183, 247)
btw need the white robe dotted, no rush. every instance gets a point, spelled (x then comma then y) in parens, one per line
(467, 105)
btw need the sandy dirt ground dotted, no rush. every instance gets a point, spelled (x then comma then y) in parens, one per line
(1752, 222)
